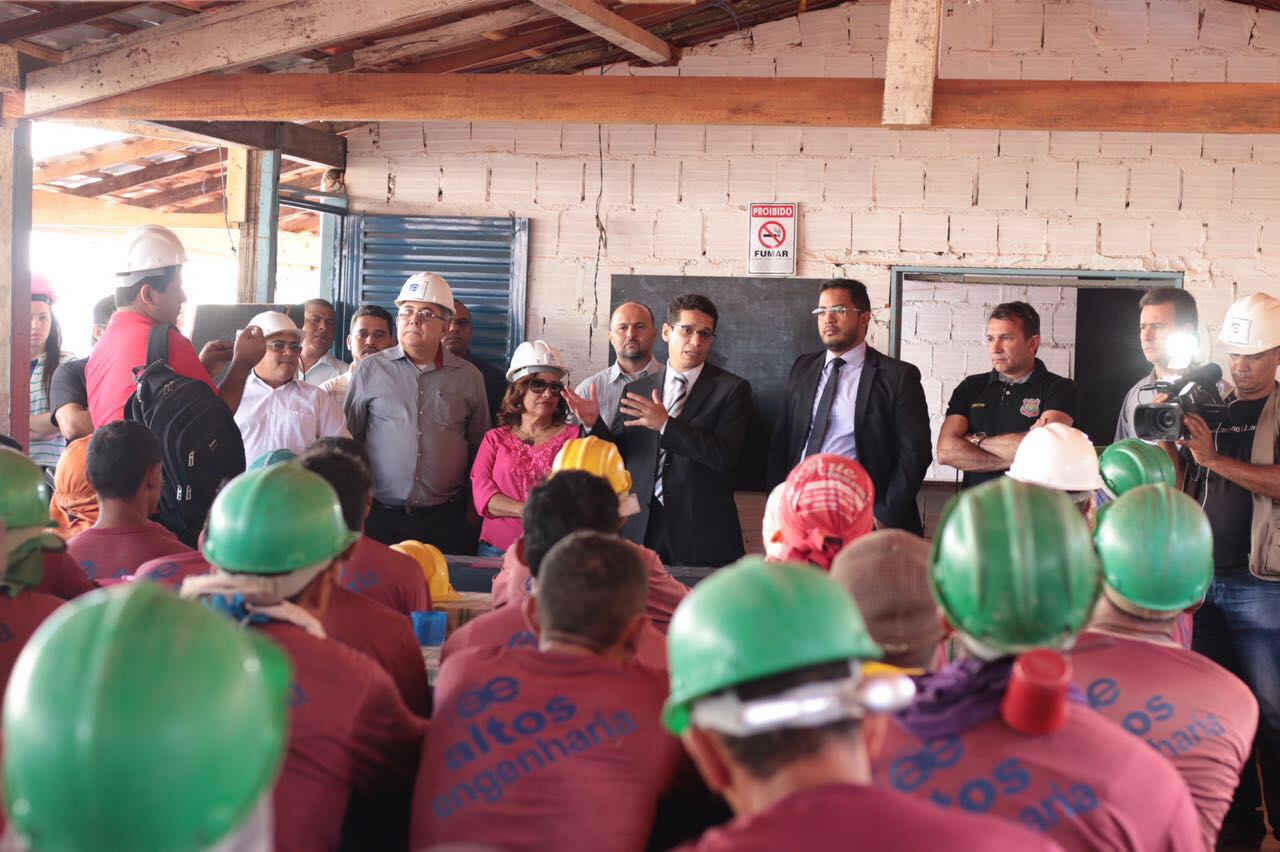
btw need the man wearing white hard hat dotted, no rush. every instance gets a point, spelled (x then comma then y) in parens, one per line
(1062, 458)
(150, 292)
(278, 411)
(421, 413)
(1232, 471)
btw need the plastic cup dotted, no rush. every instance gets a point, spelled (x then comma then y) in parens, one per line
(1035, 702)
(429, 627)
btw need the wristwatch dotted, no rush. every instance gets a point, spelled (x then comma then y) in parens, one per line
(977, 438)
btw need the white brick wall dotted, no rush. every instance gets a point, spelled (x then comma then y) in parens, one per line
(675, 197)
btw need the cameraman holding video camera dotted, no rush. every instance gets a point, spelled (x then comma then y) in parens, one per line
(1166, 312)
(1233, 472)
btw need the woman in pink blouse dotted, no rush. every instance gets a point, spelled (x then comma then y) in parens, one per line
(517, 455)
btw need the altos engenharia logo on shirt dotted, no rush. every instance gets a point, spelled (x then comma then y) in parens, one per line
(511, 746)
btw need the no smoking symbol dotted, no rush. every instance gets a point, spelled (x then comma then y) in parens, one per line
(772, 235)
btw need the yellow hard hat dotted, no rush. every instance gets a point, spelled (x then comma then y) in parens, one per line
(595, 456)
(434, 568)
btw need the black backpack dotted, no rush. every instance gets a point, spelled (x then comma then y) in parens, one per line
(199, 440)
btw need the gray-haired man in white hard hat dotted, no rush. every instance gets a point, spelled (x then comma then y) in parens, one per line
(421, 413)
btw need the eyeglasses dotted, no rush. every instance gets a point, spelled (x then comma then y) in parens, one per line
(691, 331)
(838, 310)
(423, 314)
(283, 345)
(541, 386)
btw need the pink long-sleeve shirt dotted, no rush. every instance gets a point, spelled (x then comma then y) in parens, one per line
(506, 465)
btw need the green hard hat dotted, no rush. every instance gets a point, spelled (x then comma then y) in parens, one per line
(271, 457)
(137, 721)
(1129, 463)
(275, 521)
(755, 619)
(1013, 566)
(1156, 548)
(24, 497)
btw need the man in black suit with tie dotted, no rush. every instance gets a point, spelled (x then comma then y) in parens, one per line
(853, 401)
(681, 432)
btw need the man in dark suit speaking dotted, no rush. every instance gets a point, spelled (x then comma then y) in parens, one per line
(854, 401)
(681, 432)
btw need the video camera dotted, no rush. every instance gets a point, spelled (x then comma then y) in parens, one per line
(1194, 393)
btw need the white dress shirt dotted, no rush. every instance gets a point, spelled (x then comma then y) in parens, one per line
(611, 383)
(289, 417)
(839, 438)
(670, 387)
(323, 370)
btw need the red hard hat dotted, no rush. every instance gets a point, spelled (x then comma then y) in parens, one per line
(42, 289)
(827, 502)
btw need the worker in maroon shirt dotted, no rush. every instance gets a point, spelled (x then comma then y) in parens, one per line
(558, 746)
(372, 569)
(43, 558)
(24, 533)
(1157, 561)
(124, 467)
(768, 695)
(171, 721)
(150, 292)
(514, 583)
(357, 621)
(274, 536)
(568, 502)
(1014, 572)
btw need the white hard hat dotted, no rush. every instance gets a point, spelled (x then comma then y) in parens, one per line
(774, 546)
(149, 248)
(536, 356)
(427, 287)
(1057, 456)
(1252, 325)
(275, 322)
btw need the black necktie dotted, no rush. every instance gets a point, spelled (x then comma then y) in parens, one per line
(818, 432)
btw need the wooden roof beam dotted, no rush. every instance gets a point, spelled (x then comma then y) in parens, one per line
(296, 141)
(99, 157)
(213, 42)
(813, 102)
(147, 174)
(64, 15)
(49, 209)
(613, 28)
(911, 64)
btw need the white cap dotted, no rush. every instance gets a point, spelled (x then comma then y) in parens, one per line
(1252, 325)
(535, 356)
(1059, 457)
(274, 322)
(427, 287)
(151, 247)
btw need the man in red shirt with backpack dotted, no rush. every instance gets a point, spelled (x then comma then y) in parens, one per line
(150, 293)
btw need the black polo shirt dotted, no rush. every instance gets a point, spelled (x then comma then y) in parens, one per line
(999, 407)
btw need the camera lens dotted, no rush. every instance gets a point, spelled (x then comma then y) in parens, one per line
(1167, 420)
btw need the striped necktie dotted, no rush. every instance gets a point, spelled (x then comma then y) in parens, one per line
(673, 410)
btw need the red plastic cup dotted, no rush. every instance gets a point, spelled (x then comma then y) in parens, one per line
(1035, 702)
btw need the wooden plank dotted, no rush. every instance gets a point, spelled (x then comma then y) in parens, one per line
(416, 44)
(296, 141)
(15, 280)
(92, 159)
(119, 183)
(53, 209)
(204, 43)
(613, 28)
(64, 15)
(10, 76)
(911, 65)
(814, 102)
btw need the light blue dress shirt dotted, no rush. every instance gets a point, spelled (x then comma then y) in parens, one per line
(839, 438)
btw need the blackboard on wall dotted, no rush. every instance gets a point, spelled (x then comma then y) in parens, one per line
(765, 323)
